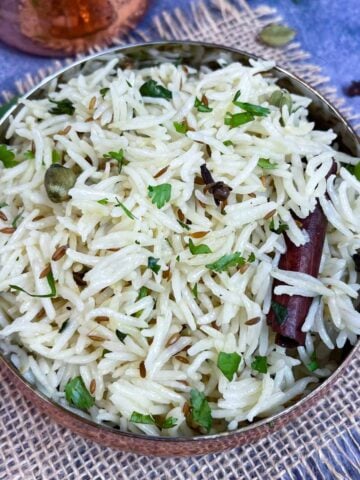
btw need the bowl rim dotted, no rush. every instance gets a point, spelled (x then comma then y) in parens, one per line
(268, 421)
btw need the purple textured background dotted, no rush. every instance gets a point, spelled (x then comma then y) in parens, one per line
(328, 29)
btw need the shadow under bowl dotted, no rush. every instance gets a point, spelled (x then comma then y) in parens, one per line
(325, 117)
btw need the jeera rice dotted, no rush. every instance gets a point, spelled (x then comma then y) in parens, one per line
(134, 289)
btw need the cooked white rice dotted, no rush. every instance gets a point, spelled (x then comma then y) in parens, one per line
(214, 322)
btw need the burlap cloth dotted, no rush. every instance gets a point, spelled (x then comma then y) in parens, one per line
(321, 444)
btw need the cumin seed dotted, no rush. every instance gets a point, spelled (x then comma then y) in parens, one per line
(298, 223)
(161, 172)
(252, 195)
(92, 387)
(186, 409)
(142, 369)
(253, 321)
(7, 230)
(101, 319)
(243, 268)
(96, 338)
(65, 131)
(205, 100)
(269, 215)
(59, 253)
(45, 272)
(182, 359)
(92, 103)
(127, 63)
(198, 234)
(263, 180)
(184, 382)
(3, 216)
(113, 249)
(40, 314)
(199, 181)
(39, 217)
(173, 339)
(166, 274)
(79, 279)
(180, 215)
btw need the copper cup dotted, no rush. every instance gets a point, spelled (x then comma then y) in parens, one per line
(66, 27)
(325, 116)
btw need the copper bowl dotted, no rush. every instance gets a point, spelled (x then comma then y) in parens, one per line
(325, 116)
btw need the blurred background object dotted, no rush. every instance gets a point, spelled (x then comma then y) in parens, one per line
(66, 27)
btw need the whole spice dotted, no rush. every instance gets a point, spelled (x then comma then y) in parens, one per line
(186, 409)
(92, 103)
(65, 131)
(219, 190)
(166, 274)
(253, 321)
(161, 172)
(180, 215)
(199, 181)
(198, 234)
(92, 387)
(182, 359)
(243, 268)
(58, 181)
(173, 339)
(280, 98)
(40, 314)
(45, 272)
(353, 89)
(269, 215)
(96, 338)
(59, 253)
(79, 279)
(288, 313)
(142, 369)
(7, 230)
(276, 35)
